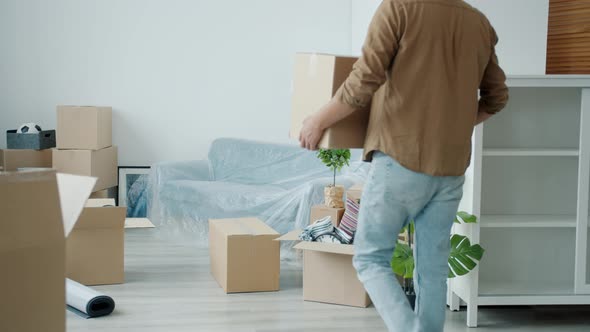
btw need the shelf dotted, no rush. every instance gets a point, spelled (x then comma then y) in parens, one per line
(531, 152)
(521, 288)
(527, 293)
(548, 81)
(528, 221)
(529, 186)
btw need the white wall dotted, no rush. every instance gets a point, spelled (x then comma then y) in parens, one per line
(520, 24)
(179, 73)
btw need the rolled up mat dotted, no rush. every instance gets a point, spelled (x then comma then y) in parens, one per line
(87, 302)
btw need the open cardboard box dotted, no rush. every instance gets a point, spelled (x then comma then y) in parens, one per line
(95, 249)
(39, 210)
(328, 274)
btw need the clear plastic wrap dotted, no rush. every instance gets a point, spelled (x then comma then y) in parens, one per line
(276, 183)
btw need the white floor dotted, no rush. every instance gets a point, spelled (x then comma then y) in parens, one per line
(169, 288)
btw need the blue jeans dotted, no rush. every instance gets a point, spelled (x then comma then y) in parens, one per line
(392, 196)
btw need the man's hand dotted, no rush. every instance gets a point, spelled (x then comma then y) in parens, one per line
(315, 125)
(311, 133)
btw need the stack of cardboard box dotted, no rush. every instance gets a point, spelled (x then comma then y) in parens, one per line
(31, 150)
(95, 248)
(84, 144)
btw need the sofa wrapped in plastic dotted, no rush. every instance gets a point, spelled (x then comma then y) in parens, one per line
(276, 183)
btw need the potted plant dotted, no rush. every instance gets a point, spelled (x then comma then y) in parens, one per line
(463, 257)
(335, 160)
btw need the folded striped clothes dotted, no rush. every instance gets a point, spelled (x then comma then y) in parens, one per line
(344, 233)
(348, 225)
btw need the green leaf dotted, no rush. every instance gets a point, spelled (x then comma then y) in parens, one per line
(464, 217)
(334, 159)
(402, 262)
(464, 256)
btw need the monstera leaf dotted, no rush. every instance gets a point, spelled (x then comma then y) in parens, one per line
(402, 262)
(464, 217)
(464, 256)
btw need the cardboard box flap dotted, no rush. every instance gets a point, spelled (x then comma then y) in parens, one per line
(101, 202)
(342, 249)
(243, 226)
(291, 236)
(74, 190)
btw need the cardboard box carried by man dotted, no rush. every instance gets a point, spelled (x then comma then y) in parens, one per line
(316, 79)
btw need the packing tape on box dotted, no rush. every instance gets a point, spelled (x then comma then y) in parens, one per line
(87, 302)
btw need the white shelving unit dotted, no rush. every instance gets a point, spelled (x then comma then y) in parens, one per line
(529, 185)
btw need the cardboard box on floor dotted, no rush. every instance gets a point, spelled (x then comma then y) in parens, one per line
(328, 273)
(101, 164)
(320, 211)
(39, 209)
(84, 127)
(316, 79)
(12, 160)
(244, 256)
(95, 249)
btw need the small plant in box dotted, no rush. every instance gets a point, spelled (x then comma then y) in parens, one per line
(463, 257)
(335, 160)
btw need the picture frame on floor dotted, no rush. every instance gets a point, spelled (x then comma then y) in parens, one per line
(132, 192)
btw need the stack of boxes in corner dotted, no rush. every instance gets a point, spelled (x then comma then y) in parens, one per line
(84, 144)
(95, 248)
(27, 151)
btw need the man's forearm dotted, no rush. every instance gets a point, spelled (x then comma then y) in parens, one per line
(333, 112)
(482, 116)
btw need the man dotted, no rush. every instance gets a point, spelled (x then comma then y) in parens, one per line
(422, 65)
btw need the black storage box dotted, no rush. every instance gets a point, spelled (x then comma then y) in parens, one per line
(39, 141)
